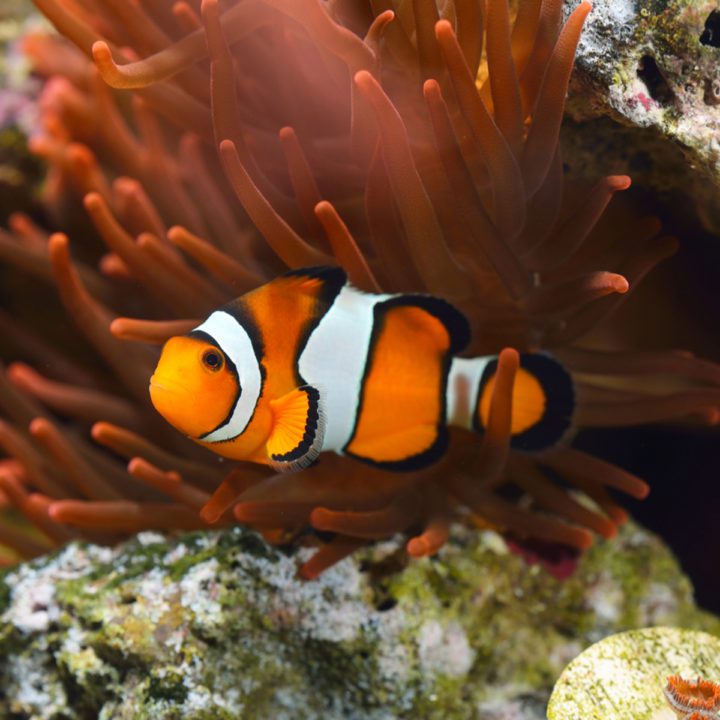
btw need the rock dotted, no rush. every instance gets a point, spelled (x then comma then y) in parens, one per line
(216, 625)
(20, 172)
(624, 675)
(645, 98)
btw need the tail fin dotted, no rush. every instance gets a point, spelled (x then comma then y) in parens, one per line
(543, 398)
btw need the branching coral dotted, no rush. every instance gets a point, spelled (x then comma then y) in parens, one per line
(264, 134)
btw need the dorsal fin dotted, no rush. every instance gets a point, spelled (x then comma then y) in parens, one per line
(454, 321)
(284, 313)
(332, 278)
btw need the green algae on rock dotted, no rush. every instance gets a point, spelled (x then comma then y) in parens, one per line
(216, 625)
(623, 676)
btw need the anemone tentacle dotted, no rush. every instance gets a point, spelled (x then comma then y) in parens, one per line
(213, 146)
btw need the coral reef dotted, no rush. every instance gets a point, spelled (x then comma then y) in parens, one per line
(216, 625)
(646, 66)
(263, 135)
(631, 675)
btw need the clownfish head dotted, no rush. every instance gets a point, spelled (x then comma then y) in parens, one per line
(195, 386)
(207, 384)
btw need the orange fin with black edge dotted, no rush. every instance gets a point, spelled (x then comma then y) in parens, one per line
(298, 432)
(543, 402)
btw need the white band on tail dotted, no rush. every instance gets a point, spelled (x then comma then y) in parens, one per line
(462, 389)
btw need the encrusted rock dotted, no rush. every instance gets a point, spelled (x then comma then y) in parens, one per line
(624, 675)
(217, 625)
(646, 97)
(19, 171)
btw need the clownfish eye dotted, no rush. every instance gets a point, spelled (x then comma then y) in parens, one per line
(212, 360)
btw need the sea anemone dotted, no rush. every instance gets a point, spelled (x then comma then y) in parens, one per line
(214, 145)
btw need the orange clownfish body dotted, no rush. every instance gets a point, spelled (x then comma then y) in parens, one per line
(307, 363)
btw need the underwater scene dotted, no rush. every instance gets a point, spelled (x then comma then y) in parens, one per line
(359, 359)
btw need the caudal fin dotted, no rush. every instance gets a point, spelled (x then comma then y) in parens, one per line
(543, 401)
(543, 398)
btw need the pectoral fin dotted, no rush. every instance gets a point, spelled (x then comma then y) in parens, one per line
(297, 436)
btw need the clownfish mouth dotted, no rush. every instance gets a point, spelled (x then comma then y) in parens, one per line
(164, 384)
(170, 399)
(165, 395)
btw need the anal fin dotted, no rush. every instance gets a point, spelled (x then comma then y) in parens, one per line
(299, 429)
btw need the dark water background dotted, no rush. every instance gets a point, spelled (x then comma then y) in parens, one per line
(683, 469)
(678, 306)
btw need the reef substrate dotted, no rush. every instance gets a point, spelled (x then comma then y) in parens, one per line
(217, 625)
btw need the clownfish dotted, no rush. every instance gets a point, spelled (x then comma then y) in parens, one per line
(307, 363)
